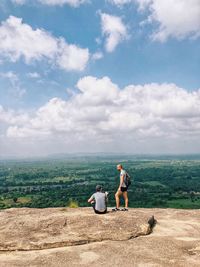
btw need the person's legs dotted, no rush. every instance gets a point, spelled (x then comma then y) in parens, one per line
(117, 196)
(125, 195)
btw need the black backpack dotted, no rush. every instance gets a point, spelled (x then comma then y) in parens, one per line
(127, 180)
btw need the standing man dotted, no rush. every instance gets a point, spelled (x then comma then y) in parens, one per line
(122, 190)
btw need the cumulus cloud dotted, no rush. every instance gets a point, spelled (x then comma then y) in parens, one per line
(175, 18)
(73, 3)
(183, 21)
(103, 114)
(13, 117)
(114, 30)
(19, 40)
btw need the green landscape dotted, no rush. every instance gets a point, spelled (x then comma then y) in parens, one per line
(159, 181)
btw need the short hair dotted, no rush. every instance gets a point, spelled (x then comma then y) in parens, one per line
(98, 188)
(119, 165)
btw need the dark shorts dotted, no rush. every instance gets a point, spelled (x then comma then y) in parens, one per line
(97, 211)
(100, 212)
(123, 189)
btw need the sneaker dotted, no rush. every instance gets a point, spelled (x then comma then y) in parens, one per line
(115, 209)
(124, 209)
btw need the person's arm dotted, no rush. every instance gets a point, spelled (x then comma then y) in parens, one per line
(121, 181)
(106, 198)
(91, 199)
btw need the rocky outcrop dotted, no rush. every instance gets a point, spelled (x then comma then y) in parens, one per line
(77, 237)
(36, 229)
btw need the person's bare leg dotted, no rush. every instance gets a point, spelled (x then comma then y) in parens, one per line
(125, 196)
(117, 196)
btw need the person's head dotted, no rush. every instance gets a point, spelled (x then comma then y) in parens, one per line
(119, 167)
(98, 188)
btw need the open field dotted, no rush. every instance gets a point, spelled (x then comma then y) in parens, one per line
(169, 182)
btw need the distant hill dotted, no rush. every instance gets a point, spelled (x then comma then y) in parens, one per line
(102, 155)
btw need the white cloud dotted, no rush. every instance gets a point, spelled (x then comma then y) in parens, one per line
(73, 3)
(13, 117)
(178, 19)
(33, 75)
(18, 40)
(103, 116)
(97, 56)
(9, 75)
(114, 30)
(175, 18)
(120, 2)
(15, 89)
(72, 57)
(142, 3)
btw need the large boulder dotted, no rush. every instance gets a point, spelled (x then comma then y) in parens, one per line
(34, 229)
(53, 237)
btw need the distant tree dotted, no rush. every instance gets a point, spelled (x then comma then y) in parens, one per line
(15, 199)
(192, 196)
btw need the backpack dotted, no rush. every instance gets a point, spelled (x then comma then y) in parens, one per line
(127, 180)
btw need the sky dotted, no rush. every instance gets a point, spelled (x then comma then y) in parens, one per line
(120, 76)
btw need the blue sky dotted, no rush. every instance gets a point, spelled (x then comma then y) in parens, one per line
(137, 45)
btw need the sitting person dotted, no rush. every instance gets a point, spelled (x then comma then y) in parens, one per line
(99, 201)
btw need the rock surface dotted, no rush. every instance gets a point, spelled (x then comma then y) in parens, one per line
(36, 229)
(77, 237)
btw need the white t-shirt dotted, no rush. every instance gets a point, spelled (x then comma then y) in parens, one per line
(123, 173)
(100, 201)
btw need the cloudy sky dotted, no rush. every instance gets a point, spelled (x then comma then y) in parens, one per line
(99, 76)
